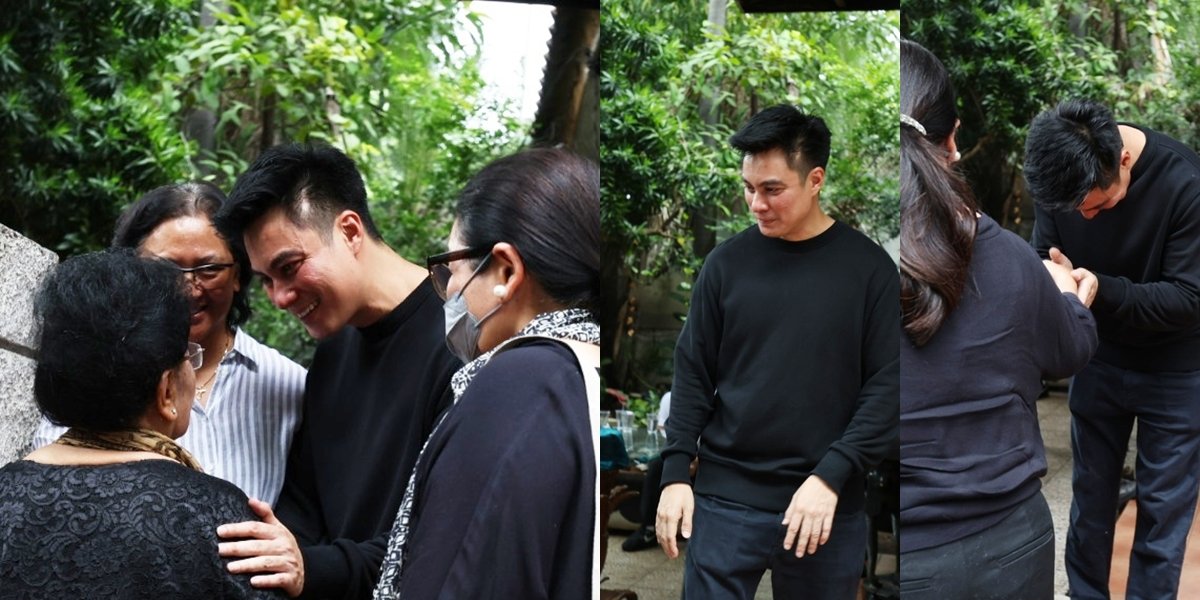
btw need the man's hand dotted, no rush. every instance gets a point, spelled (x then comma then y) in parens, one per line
(1088, 285)
(1062, 276)
(809, 518)
(675, 507)
(1058, 257)
(271, 549)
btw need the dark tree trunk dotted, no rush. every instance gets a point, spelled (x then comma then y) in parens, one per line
(568, 110)
(703, 219)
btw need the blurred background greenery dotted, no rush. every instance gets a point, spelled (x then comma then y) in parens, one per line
(678, 79)
(1011, 60)
(103, 100)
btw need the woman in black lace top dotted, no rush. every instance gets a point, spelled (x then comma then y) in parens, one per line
(115, 509)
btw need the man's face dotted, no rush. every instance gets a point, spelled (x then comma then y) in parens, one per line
(783, 202)
(1099, 199)
(1103, 199)
(314, 281)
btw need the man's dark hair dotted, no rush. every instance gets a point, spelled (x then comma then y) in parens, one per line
(313, 184)
(804, 138)
(546, 203)
(1072, 149)
(111, 323)
(192, 199)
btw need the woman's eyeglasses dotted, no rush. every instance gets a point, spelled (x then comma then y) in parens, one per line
(439, 271)
(195, 355)
(204, 273)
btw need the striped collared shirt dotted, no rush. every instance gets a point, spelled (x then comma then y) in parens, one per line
(244, 432)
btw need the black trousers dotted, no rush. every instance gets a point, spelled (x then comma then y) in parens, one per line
(733, 546)
(1014, 559)
(1106, 402)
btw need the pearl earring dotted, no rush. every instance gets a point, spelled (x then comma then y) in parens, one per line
(957, 156)
(174, 413)
(499, 291)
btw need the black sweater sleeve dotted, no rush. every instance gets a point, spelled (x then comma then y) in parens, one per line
(1045, 233)
(298, 507)
(1067, 332)
(1172, 303)
(871, 434)
(694, 380)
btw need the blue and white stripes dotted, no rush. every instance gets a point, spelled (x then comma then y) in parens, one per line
(244, 433)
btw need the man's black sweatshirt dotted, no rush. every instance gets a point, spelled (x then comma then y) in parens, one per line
(788, 366)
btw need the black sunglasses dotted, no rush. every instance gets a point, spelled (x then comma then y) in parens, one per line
(439, 272)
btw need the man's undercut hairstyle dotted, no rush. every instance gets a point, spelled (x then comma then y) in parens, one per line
(804, 138)
(110, 324)
(1072, 149)
(191, 199)
(313, 183)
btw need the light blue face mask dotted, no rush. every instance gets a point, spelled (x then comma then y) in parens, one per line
(462, 328)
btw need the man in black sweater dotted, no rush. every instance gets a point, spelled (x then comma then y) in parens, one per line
(786, 384)
(1123, 202)
(378, 380)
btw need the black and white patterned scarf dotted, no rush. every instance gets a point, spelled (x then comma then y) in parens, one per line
(572, 324)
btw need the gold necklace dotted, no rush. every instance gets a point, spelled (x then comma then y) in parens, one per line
(202, 389)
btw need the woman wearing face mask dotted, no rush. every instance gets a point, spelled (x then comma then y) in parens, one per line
(984, 324)
(502, 502)
(114, 508)
(247, 395)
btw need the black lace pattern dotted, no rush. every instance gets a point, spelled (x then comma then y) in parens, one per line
(144, 529)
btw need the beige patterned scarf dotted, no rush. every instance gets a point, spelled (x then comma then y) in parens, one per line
(130, 440)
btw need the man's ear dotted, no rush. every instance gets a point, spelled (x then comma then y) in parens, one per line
(512, 270)
(816, 178)
(349, 227)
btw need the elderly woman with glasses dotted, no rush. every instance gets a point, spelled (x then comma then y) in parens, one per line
(115, 508)
(502, 501)
(248, 395)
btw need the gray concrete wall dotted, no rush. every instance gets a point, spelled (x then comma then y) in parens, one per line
(23, 263)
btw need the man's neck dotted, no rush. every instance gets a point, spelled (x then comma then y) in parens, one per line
(1134, 141)
(387, 281)
(818, 223)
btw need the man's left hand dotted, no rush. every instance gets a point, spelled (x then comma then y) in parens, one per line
(809, 518)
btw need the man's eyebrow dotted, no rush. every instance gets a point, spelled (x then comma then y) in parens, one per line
(765, 183)
(280, 259)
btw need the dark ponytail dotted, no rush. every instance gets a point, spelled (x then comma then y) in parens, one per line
(937, 209)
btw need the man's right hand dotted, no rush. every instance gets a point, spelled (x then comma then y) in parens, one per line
(1062, 276)
(675, 507)
(267, 550)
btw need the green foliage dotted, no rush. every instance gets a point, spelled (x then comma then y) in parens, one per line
(79, 132)
(1007, 60)
(660, 158)
(644, 408)
(1011, 60)
(672, 92)
(95, 98)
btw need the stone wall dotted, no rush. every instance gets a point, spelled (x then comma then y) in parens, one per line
(23, 263)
